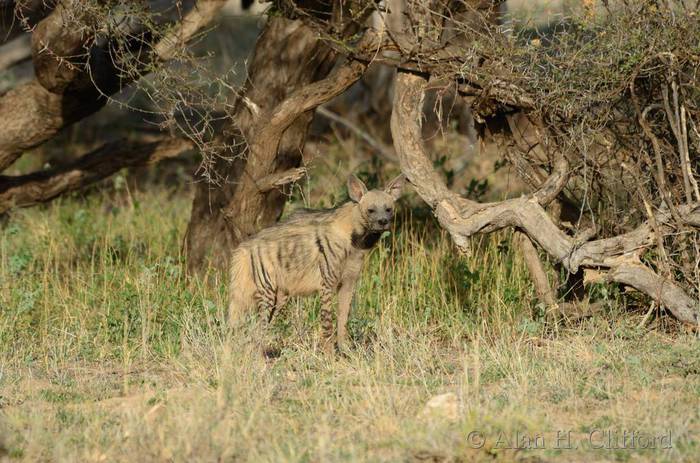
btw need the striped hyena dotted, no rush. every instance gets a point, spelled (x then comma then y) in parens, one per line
(312, 251)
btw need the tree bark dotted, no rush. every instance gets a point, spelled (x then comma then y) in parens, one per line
(287, 57)
(39, 187)
(62, 94)
(618, 256)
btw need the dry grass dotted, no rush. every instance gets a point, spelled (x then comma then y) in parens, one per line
(107, 353)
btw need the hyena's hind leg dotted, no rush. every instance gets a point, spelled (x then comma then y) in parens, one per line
(353, 267)
(329, 286)
(280, 301)
(240, 305)
(241, 288)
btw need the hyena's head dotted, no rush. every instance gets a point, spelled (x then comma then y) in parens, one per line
(376, 206)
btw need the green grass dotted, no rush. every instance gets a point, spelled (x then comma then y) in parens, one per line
(109, 353)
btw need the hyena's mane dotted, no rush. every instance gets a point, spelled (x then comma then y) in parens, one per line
(300, 221)
(314, 215)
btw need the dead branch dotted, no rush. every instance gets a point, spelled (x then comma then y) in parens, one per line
(378, 146)
(40, 187)
(278, 180)
(537, 273)
(464, 218)
(15, 52)
(203, 13)
(16, 17)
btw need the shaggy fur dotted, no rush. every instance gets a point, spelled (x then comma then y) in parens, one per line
(312, 251)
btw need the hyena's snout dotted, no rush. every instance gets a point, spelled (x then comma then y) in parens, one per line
(384, 222)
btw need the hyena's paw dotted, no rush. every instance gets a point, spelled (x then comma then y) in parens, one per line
(272, 352)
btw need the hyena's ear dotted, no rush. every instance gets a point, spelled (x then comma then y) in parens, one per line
(395, 186)
(356, 189)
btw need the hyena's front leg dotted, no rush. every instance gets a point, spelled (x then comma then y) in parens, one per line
(327, 318)
(267, 302)
(351, 273)
(347, 289)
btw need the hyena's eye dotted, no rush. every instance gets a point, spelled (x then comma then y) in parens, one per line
(371, 211)
(388, 209)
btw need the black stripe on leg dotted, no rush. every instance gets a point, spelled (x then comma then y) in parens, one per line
(265, 275)
(321, 250)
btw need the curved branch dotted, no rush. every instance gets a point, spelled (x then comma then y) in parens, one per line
(269, 128)
(463, 218)
(660, 289)
(406, 130)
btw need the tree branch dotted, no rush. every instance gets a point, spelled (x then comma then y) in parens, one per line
(15, 52)
(33, 113)
(17, 16)
(269, 128)
(378, 146)
(280, 179)
(463, 218)
(39, 187)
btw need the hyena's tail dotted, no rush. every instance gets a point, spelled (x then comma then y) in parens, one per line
(241, 286)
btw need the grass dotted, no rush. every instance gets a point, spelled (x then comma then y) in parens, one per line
(109, 353)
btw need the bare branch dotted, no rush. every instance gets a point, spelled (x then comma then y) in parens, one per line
(665, 292)
(280, 179)
(16, 17)
(463, 218)
(39, 187)
(15, 52)
(378, 146)
(202, 14)
(269, 129)
(537, 273)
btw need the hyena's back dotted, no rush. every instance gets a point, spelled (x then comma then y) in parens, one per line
(282, 261)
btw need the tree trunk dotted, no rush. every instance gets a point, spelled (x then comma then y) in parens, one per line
(287, 57)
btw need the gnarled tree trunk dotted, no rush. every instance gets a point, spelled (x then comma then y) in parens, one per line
(288, 56)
